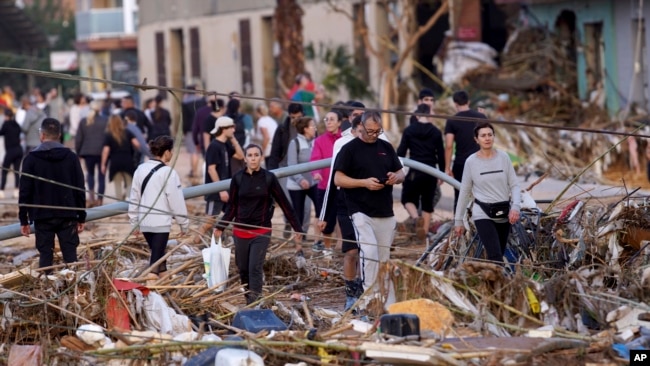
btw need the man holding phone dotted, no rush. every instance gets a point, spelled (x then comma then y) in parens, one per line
(367, 168)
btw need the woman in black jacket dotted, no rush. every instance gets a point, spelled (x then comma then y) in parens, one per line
(250, 209)
(119, 148)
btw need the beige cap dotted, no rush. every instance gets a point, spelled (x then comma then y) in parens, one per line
(222, 122)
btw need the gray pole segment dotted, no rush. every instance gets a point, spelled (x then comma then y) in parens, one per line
(112, 209)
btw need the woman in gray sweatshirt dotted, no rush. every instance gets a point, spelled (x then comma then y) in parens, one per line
(302, 185)
(490, 178)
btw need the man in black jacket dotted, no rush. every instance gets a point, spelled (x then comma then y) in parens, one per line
(52, 196)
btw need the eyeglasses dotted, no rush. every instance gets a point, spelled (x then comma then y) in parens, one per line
(372, 132)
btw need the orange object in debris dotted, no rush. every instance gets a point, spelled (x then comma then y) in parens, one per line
(117, 316)
(324, 274)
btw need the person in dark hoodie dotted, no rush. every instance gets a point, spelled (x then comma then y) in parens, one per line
(52, 196)
(13, 151)
(424, 143)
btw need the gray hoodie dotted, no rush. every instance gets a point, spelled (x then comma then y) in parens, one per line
(31, 124)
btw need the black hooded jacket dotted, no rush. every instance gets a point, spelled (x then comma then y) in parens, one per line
(424, 143)
(51, 161)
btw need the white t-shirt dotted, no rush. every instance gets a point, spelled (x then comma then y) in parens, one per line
(270, 125)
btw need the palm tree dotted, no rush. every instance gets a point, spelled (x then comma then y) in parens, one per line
(288, 33)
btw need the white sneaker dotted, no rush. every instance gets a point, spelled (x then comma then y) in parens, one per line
(328, 253)
(16, 193)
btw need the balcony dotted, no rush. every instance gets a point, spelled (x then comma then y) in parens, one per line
(103, 23)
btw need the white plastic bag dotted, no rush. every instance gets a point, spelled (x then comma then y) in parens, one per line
(161, 318)
(216, 260)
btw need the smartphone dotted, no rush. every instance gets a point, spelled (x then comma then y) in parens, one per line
(383, 180)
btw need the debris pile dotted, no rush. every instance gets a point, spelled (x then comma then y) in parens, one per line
(536, 83)
(576, 282)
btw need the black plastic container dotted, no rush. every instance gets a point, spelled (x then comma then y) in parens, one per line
(400, 325)
(257, 320)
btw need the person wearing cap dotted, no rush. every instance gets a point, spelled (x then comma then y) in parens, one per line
(217, 162)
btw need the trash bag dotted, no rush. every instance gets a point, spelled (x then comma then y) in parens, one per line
(216, 260)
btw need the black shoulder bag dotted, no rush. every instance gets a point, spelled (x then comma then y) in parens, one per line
(146, 179)
(496, 210)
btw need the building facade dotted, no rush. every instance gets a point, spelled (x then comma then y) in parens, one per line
(610, 46)
(107, 42)
(230, 45)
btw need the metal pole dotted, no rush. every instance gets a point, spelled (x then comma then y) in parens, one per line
(117, 208)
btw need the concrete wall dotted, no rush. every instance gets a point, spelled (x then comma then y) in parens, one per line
(589, 11)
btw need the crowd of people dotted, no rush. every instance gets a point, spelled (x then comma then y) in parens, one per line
(352, 199)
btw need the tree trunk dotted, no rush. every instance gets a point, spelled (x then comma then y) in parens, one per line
(288, 33)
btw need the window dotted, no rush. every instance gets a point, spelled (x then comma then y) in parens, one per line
(161, 69)
(246, 56)
(195, 53)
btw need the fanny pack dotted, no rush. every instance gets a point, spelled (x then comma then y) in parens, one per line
(496, 210)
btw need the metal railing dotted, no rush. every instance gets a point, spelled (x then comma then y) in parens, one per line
(117, 208)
